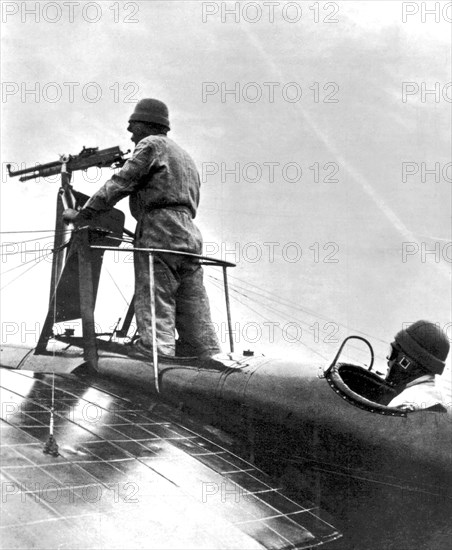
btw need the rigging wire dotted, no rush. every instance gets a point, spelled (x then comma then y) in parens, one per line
(287, 303)
(51, 446)
(28, 231)
(117, 286)
(271, 308)
(279, 312)
(47, 252)
(268, 320)
(260, 292)
(26, 241)
(55, 232)
(281, 330)
(18, 276)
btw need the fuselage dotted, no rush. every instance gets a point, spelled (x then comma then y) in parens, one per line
(288, 409)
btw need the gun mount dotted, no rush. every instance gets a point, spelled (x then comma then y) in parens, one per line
(78, 257)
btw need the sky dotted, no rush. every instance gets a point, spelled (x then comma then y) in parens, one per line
(321, 130)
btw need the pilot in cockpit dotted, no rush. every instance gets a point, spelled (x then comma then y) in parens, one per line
(417, 354)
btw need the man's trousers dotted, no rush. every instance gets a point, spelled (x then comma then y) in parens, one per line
(181, 303)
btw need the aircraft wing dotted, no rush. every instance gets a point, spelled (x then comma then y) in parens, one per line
(130, 475)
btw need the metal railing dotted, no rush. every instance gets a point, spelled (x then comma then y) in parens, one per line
(203, 260)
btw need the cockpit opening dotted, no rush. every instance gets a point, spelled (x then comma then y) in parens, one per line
(366, 389)
(362, 388)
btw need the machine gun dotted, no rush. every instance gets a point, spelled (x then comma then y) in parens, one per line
(112, 157)
(75, 267)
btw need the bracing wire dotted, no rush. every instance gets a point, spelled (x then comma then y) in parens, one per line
(18, 276)
(28, 241)
(274, 297)
(47, 252)
(234, 288)
(269, 320)
(37, 260)
(241, 287)
(28, 231)
(282, 314)
(117, 286)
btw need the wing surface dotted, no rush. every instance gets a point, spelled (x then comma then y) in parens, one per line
(130, 476)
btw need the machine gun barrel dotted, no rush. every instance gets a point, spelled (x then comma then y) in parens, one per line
(111, 157)
(40, 167)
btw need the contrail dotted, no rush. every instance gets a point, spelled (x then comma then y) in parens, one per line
(356, 175)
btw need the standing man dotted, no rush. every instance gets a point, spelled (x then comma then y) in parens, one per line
(417, 354)
(163, 184)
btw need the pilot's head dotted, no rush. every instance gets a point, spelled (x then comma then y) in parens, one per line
(420, 349)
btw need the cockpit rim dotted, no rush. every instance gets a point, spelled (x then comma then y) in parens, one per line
(337, 384)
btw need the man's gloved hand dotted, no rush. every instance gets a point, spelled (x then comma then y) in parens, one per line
(71, 216)
(77, 216)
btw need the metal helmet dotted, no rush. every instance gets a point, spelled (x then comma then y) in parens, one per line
(424, 344)
(151, 110)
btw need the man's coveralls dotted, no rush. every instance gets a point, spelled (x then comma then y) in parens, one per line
(163, 184)
(421, 393)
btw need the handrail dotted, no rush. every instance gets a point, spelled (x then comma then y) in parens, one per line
(213, 261)
(206, 261)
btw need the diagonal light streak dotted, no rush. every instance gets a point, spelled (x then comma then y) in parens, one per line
(355, 174)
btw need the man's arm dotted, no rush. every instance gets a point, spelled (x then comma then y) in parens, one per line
(125, 181)
(118, 186)
(418, 397)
